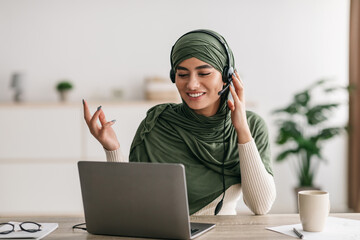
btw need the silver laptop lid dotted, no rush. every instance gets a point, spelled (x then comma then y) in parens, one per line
(135, 199)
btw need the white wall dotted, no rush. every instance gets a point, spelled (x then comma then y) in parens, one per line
(280, 47)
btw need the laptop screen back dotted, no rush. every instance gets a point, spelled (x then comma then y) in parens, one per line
(135, 199)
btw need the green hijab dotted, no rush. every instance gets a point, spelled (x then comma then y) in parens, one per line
(203, 47)
(174, 133)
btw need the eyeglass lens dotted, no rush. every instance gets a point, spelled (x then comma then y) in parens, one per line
(30, 226)
(6, 228)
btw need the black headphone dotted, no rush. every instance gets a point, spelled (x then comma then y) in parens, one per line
(228, 70)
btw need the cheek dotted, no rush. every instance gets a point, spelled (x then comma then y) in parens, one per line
(179, 86)
(218, 84)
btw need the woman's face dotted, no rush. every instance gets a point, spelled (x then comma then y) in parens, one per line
(198, 84)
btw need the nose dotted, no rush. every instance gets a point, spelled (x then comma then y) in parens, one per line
(193, 82)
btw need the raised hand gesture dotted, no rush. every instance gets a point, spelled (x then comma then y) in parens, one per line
(103, 132)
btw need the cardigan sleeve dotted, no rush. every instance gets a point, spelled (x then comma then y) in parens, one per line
(258, 184)
(115, 156)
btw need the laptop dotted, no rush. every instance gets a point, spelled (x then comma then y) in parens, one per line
(137, 200)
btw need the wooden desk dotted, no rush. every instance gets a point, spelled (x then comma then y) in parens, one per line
(227, 227)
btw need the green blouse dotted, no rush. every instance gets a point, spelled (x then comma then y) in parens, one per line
(174, 133)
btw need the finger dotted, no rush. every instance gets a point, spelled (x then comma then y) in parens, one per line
(102, 118)
(93, 125)
(238, 77)
(87, 114)
(109, 124)
(234, 95)
(238, 86)
(231, 105)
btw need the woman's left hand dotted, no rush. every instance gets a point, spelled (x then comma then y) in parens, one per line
(238, 111)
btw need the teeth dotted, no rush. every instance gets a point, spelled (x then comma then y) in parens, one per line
(195, 94)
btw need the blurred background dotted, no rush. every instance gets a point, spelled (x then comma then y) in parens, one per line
(115, 53)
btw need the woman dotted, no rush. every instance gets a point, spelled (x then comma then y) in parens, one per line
(223, 151)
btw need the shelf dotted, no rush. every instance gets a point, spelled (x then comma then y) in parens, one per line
(77, 104)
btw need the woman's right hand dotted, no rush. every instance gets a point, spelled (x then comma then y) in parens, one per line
(103, 132)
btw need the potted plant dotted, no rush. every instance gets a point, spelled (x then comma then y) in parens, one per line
(63, 87)
(302, 130)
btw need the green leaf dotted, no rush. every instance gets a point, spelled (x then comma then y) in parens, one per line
(328, 133)
(64, 85)
(302, 98)
(293, 108)
(308, 145)
(282, 156)
(331, 89)
(278, 111)
(317, 115)
(318, 83)
(288, 130)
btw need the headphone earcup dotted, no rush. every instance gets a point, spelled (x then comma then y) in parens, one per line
(172, 75)
(227, 74)
(230, 73)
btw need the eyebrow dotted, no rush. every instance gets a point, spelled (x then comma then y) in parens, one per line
(198, 67)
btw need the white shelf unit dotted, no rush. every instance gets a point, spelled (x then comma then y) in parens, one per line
(40, 145)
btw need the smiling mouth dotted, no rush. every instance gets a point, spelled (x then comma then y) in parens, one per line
(194, 95)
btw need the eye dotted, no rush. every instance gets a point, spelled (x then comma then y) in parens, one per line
(182, 75)
(204, 74)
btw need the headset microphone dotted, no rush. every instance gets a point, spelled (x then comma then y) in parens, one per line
(224, 88)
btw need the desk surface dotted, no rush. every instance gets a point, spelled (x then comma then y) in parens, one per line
(227, 227)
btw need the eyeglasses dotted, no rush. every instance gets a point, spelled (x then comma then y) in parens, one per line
(30, 227)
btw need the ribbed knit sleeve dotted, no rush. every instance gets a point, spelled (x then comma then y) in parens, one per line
(115, 156)
(258, 185)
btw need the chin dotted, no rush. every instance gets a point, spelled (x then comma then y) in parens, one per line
(194, 106)
(199, 109)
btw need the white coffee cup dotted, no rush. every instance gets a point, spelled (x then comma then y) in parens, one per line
(314, 207)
